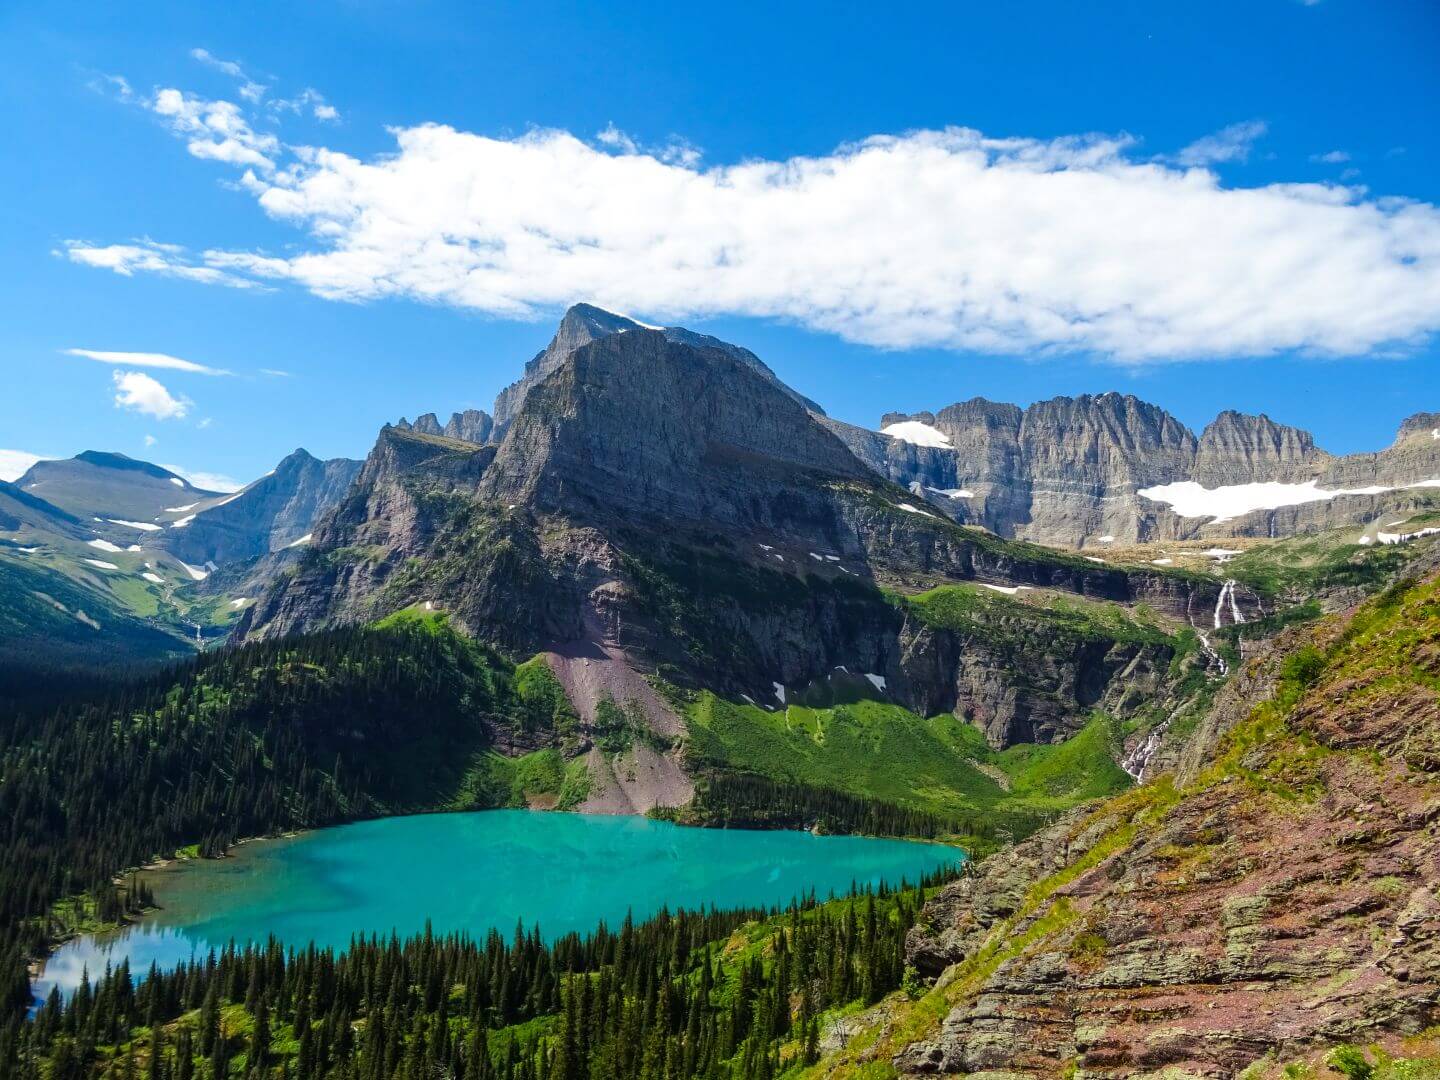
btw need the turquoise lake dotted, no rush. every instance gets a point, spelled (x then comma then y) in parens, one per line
(470, 872)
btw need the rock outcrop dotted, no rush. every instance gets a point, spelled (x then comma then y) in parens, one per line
(472, 425)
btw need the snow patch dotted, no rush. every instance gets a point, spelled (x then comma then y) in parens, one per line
(918, 433)
(913, 510)
(1188, 499)
(1107, 539)
(817, 557)
(302, 541)
(180, 509)
(239, 601)
(767, 547)
(1008, 590)
(1400, 538)
(102, 564)
(104, 545)
(1223, 554)
(143, 526)
(154, 579)
(953, 493)
(1092, 558)
(1163, 562)
(177, 481)
(182, 522)
(196, 574)
(779, 691)
(134, 547)
(877, 681)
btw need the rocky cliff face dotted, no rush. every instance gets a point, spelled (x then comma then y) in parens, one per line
(1069, 471)
(584, 323)
(1160, 934)
(272, 513)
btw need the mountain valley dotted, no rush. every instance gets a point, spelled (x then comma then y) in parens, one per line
(1122, 666)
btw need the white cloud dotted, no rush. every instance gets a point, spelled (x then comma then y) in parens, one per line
(15, 463)
(168, 260)
(150, 440)
(215, 130)
(138, 392)
(207, 481)
(229, 67)
(933, 238)
(146, 359)
(1331, 157)
(1232, 143)
(308, 99)
(275, 373)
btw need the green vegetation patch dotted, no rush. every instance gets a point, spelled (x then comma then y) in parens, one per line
(940, 765)
(976, 610)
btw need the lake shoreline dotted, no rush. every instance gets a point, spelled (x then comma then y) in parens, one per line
(609, 863)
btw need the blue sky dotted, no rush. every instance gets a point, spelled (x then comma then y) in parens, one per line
(1210, 206)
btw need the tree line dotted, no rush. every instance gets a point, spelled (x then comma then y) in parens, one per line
(240, 742)
(748, 800)
(728, 995)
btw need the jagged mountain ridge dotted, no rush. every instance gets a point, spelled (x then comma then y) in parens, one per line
(1069, 471)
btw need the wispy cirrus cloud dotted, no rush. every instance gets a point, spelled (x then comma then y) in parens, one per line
(137, 392)
(250, 89)
(147, 256)
(947, 238)
(1231, 143)
(146, 359)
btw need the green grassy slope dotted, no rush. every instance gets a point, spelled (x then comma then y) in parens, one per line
(939, 764)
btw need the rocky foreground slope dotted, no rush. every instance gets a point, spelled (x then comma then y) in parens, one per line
(1274, 898)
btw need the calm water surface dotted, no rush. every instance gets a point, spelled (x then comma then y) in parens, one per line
(475, 871)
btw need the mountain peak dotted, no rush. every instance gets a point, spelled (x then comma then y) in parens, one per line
(113, 459)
